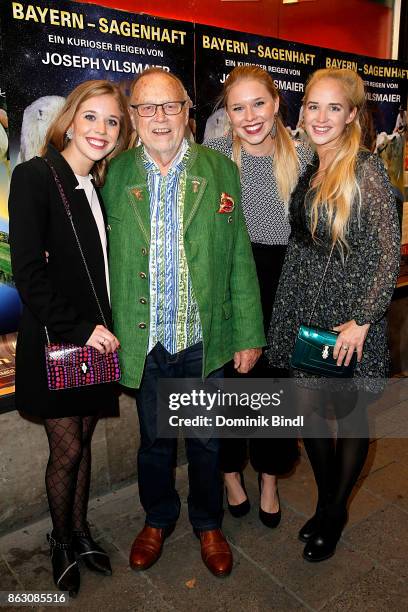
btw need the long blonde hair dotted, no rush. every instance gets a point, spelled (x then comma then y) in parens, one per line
(338, 188)
(56, 134)
(285, 161)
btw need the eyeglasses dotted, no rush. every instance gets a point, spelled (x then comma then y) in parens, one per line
(149, 110)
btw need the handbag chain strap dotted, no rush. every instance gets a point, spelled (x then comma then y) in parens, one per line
(321, 285)
(68, 211)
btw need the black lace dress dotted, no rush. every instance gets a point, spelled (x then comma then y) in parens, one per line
(360, 287)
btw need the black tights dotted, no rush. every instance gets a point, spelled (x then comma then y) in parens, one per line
(68, 473)
(336, 463)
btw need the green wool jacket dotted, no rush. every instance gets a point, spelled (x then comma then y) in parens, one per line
(218, 253)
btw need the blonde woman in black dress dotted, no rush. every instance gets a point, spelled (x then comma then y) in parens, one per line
(343, 201)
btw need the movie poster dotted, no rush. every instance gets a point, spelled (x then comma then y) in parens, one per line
(49, 48)
(289, 64)
(386, 85)
(52, 47)
(9, 300)
(386, 102)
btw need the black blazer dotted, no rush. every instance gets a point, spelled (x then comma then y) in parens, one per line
(57, 293)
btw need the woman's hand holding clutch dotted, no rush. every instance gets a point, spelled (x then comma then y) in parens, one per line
(351, 338)
(103, 340)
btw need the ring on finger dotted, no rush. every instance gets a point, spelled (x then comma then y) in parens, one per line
(345, 347)
(103, 341)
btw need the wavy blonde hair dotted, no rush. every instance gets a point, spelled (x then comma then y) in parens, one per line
(338, 188)
(285, 160)
(56, 134)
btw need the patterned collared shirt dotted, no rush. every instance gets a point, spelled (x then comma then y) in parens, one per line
(174, 316)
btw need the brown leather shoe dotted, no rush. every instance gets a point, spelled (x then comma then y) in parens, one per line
(215, 552)
(147, 548)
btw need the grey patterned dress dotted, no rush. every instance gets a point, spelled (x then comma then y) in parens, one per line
(360, 288)
(264, 210)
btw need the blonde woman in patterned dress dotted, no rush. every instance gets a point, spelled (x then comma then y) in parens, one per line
(344, 200)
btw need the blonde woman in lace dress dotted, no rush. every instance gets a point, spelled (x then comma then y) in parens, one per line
(343, 199)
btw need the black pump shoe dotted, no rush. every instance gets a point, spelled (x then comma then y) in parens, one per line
(94, 557)
(322, 545)
(269, 519)
(64, 566)
(240, 509)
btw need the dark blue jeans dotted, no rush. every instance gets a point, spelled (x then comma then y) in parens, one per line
(157, 457)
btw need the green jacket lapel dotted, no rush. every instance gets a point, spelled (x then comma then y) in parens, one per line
(138, 196)
(195, 189)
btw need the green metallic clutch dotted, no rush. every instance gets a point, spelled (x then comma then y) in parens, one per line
(313, 353)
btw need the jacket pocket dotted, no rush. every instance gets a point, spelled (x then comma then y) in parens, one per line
(227, 309)
(114, 217)
(113, 226)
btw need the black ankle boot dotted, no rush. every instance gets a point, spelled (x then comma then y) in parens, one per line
(322, 545)
(94, 557)
(64, 566)
(311, 527)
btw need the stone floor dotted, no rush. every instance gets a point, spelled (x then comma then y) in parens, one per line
(369, 571)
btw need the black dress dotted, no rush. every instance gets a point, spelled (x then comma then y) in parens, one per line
(360, 287)
(57, 293)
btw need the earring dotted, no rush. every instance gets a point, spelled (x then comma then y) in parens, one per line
(69, 133)
(273, 128)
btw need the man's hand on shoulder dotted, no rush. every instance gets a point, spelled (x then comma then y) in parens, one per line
(245, 360)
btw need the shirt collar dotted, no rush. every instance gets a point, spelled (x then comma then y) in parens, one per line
(83, 181)
(177, 165)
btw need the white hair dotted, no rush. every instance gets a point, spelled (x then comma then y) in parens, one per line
(37, 118)
(217, 125)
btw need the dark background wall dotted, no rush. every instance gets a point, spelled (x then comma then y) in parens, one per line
(356, 26)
